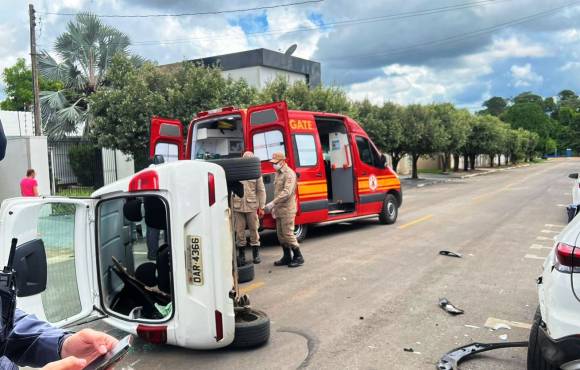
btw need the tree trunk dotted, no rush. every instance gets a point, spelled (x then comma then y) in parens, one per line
(455, 162)
(499, 160)
(396, 159)
(491, 158)
(415, 172)
(465, 162)
(446, 157)
(472, 161)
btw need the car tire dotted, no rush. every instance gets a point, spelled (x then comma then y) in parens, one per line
(252, 329)
(536, 360)
(246, 273)
(240, 169)
(390, 210)
(300, 231)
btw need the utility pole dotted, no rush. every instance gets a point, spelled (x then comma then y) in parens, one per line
(33, 55)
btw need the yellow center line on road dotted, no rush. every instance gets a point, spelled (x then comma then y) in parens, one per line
(414, 222)
(253, 286)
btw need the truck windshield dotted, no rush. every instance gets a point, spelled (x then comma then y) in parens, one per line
(218, 137)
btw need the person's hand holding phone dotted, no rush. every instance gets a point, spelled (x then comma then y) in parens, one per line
(69, 363)
(87, 345)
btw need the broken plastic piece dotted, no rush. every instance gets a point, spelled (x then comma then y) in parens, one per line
(451, 360)
(450, 254)
(450, 308)
(503, 337)
(501, 325)
(408, 350)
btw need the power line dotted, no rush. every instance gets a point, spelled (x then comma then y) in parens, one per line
(213, 12)
(328, 25)
(460, 37)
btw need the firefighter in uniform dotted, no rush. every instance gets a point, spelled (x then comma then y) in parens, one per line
(246, 213)
(283, 209)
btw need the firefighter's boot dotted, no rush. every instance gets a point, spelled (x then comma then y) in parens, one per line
(241, 256)
(256, 254)
(298, 260)
(286, 258)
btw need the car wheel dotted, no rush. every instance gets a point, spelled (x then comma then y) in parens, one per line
(390, 210)
(536, 360)
(252, 329)
(246, 273)
(300, 231)
(240, 169)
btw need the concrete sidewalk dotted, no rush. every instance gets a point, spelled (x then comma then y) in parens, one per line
(426, 179)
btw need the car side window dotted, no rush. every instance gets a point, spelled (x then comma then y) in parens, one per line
(364, 150)
(305, 148)
(169, 151)
(267, 143)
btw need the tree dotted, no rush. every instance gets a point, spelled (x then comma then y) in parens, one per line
(18, 87)
(494, 106)
(529, 97)
(384, 126)
(85, 50)
(424, 133)
(131, 95)
(300, 96)
(531, 117)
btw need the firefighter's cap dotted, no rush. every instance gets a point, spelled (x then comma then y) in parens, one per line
(277, 157)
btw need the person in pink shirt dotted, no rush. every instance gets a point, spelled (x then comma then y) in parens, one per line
(28, 185)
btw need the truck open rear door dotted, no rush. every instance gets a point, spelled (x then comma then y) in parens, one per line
(166, 139)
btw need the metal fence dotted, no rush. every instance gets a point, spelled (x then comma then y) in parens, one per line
(75, 166)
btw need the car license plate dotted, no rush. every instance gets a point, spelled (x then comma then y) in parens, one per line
(194, 261)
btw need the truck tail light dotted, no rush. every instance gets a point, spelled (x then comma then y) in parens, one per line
(152, 334)
(568, 255)
(146, 180)
(219, 327)
(211, 188)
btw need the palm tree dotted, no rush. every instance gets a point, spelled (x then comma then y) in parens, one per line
(84, 52)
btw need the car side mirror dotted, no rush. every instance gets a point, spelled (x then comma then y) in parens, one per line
(383, 161)
(158, 159)
(573, 175)
(30, 268)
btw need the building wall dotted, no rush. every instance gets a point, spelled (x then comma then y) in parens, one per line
(23, 153)
(17, 123)
(260, 76)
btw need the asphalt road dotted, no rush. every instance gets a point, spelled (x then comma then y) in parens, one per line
(367, 291)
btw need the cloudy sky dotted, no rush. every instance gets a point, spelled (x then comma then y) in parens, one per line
(463, 51)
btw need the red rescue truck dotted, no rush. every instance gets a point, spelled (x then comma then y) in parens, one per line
(341, 174)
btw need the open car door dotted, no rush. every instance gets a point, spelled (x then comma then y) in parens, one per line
(63, 226)
(166, 139)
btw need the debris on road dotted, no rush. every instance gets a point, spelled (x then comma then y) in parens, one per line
(451, 360)
(491, 322)
(449, 307)
(471, 326)
(501, 325)
(503, 337)
(450, 254)
(361, 318)
(410, 349)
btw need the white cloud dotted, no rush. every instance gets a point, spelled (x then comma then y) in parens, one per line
(524, 76)
(423, 84)
(570, 65)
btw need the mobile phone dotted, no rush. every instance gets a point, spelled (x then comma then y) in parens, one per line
(110, 358)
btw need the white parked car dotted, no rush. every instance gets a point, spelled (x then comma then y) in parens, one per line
(555, 336)
(573, 207)
(81, 257)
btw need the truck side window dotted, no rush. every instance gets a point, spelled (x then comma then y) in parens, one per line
(364, 150)
(169, 151)
(268, 142)
(305, 148)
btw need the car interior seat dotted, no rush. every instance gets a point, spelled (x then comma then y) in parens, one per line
(155, 217)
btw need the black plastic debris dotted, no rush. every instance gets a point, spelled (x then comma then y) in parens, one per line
(449, 307)
(451, 360)
(408, 350)
(450, 254)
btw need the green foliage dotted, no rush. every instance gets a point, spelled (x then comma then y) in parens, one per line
(494, 106)
(83, 159)
(132, 95)
(18, 87)
(424, 133)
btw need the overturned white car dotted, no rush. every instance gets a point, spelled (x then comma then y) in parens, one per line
(151, 255)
